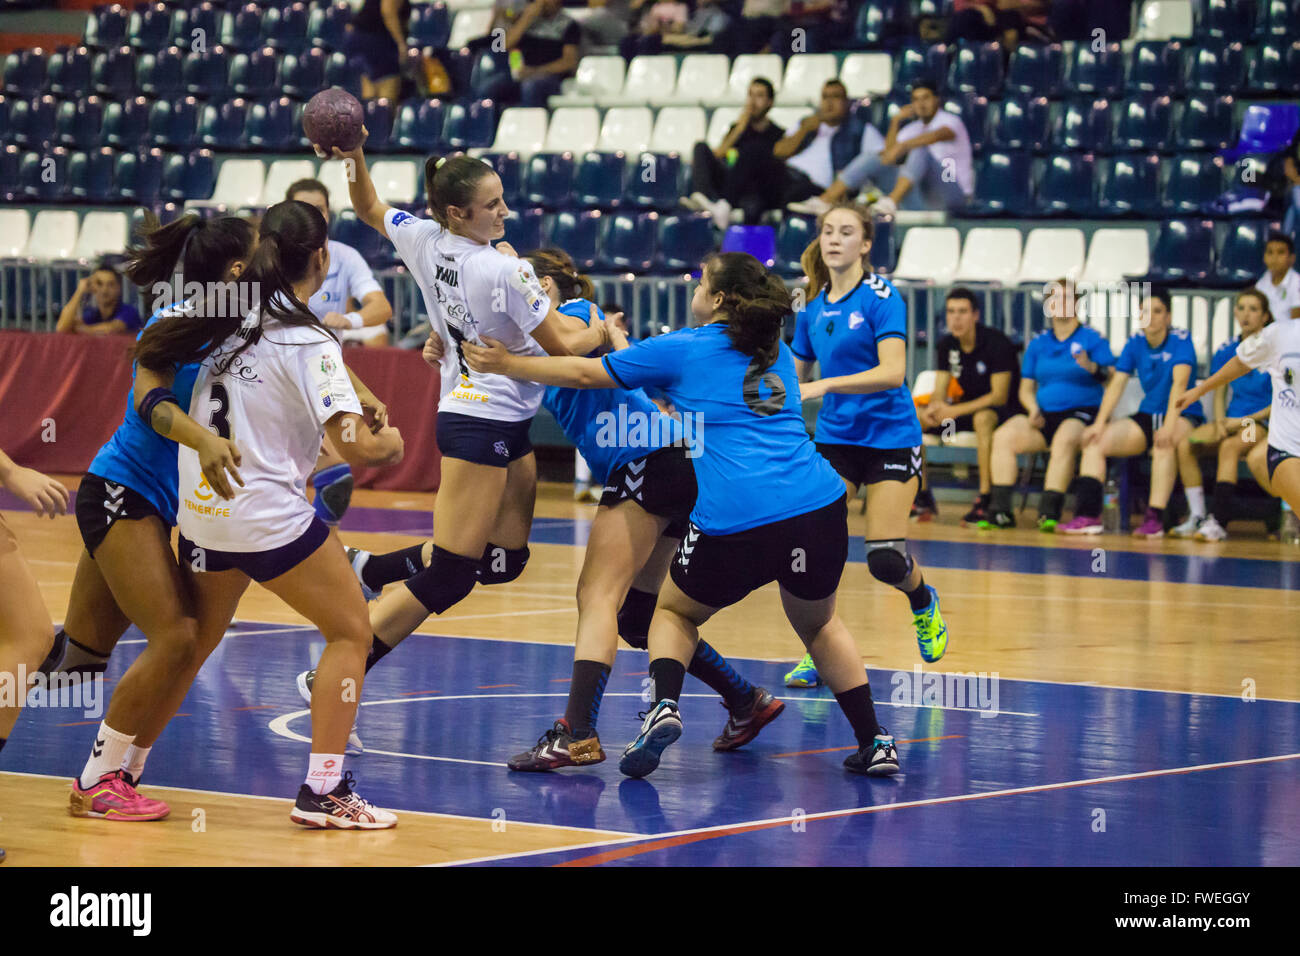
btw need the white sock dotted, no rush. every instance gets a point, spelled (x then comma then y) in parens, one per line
(324, 771)
(133, 762)
(106, 755)
(1196, 502)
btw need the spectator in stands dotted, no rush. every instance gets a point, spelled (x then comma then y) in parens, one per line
(742, 171)
(1238, 427)
(96, 307)
(604, 28)
(823, 145)
(350, 300)
(1008, 21)
(1280, 283)
(812, 26)
(926, 164)
(547, 39)
(377, 37)
(668, 26)
(758, 20)
(984, 364)
(1079, 20)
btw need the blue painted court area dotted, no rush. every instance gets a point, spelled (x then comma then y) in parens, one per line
(441, 715)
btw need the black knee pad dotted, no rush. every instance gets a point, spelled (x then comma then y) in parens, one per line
(634, 617)
(888, 561)
(446, 581)
(499, 565)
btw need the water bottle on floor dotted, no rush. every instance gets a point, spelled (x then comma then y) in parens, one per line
(1110, 507)
(1290, 532)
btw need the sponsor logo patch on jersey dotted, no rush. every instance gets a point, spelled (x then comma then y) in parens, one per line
(402, 218)
(855, 320)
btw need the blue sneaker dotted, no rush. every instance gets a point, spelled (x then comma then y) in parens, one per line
(804, 674)
(661, 726)
(931, 631)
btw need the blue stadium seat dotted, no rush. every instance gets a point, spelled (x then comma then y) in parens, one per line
(112, 73)
(302, 75)
(1036, 70)
(655, 181)
(419, 126)
(916, 61)
(173, 124)
(430, 25)
(221, 125)
(976, 68)
(488, 68)
(470, 124)
(10, 182)
(1278, 18)
(1129, 186)
(880, 23)
(577, 232)
(1096, 73)
(150, 27)
(5, 128)
(32, 121)
(351, 231)
(271, 125)
(106, 27)
(883, 251)
(1083, 125)
(126, 123)
(1020, 123)
(1266, 128)
(189, 177)
(599, 180)
(69, 73)
(1275, 68)
(1191, 182)
(1183, 252)
(757, 241)
(792, 238)
(138, 176)
(158, 75)
(90, 176)
(685, 240)
(974, 112)
(524, 229)
(1205, 122)
(285, 28)
(199, 23)
(510, 170)
(627, 242)
(79, 123)
(1156, 66)
(1065, 185)
(253, 74)
(1143, 124)
(44, 174)
(379, 125)
(1216, 66)
(241, 28)
(1005, 187)
(547, 180)
(1242, 251)
(344, 73)
(24, 73)
(327, 26)
(1226, 19)
(206, 74)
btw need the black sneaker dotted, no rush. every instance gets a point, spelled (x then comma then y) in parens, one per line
(556, 748)
(978, 512)
(880, 759)
(998, 519)
(340, 809)
(744, 725)
(924, 507)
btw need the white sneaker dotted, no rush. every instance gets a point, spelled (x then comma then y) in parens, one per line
(884, 206)
(1210, 530)
(721, 211)
(1188, 528)
(358, 558)
(696, 201)
(305, 681)
(810, 207)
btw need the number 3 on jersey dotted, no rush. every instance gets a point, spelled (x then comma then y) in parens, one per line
(219, 402)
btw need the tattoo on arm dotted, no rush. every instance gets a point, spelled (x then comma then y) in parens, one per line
(162, 418)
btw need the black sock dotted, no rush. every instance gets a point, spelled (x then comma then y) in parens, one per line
(1000, 498)
(1049, 505)
(377, 651)
(668, 676)
(1221, 501)
(2, 742)
(919, 597)
(1157, 513)
(1087, 497)
(585, 692)
(857, 707)
(982, 500)
(381, 569)
(712, 668)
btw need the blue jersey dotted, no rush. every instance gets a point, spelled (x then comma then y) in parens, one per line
(1251, 392)
(756, 464)
(140, 458)
(1062, 383)
(610, 426)
(1154, 367)
(842, 337)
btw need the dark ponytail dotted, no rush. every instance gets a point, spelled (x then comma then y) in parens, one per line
(209, 246)
(556, 263)
(451, 181)
(291, 232)
(754, 305)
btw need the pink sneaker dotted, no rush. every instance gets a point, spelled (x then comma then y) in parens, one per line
(113, 798)
(1080, 524)
(1151, 527)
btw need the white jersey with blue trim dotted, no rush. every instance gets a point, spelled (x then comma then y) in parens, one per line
(473, 292)
(349, 278)
(1276, 349)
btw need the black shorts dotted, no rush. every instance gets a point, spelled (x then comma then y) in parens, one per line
(1053, 420)
(805, 554)
(662, 483)
(483, 441)
(1275, 457)
(101, 502)
(866, 466)
(966, 423)
(258, 565)
(1150, 424)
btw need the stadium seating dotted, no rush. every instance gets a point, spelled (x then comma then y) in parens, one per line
(78, 123)
(1266, 128)
(989, 255)
(1191, 182)
(1083, 125)
(1096, 72)
(1183, 252)
(1115, 255)
(792, 238)
(1226, 19)
(53, 236)
(1020, 124)
(126, 123)
(138, 176)
(15, 224)
(524, 229)
(1165, 20)
(930, 254)
(654, 79)
(1204, 122)
(547, 179)
(509, 169)
(106, 27)
(101, 233)
(1143, 124)
(1156, 66)
(112, 72)
(628, 242)
(757, 241)
(1005, 187)
(867, 74)
(804, 77)
(578, 234)
(1051, 254)
(1241, 253)
(285, 28)
(1129, 185)
(600, 180)
(521, 129)
(1275, 68)
(684, 241)
(596, 77)
(419, 125)
(976, 68)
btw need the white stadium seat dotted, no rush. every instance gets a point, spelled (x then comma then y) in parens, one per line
(468, 25)
(700, 74)
(15, 225)
(719, 122)
(1165, 20)
(789, 117)
(677, 130)
(1052, 254)
(455, 6)
(102, 233)
(649, 79)
(990, 255)
(1117, 253)
(284, 173)
(867, 74)
(596, 76)
(805, 75)
(53, 235)
(573, 129)
(929, 254)
(334, 175)
(627, 128)
(394, 180)
(521, 129)
(239, 183)
(743, 70)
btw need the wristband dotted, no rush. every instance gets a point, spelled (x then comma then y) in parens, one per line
(155, 398)
(1100, 374)
(356, 319)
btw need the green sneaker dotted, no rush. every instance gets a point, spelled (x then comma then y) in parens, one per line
(804, 674)
(1047, 525)
(931, 631)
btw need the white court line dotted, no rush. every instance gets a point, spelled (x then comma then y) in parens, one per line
(879, 808)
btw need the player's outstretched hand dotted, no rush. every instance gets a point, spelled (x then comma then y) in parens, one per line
(433, 349)
(355, 153)
(41, 492)
(491, 357)
(217, 456)
(1193, 394)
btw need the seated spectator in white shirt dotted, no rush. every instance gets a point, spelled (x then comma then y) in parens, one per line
(926, 164)
(1280, 283)
(823, 145)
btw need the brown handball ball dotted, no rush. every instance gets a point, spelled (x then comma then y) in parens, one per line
(332, 118)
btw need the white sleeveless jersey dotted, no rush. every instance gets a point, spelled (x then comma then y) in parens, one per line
(1276, 349)
(273, 402)
(473, 292)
